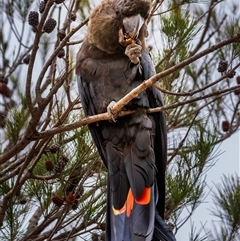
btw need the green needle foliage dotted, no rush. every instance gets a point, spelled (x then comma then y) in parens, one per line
(226, 209)
(52, 180)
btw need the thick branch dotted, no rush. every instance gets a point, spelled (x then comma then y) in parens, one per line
(105, 116)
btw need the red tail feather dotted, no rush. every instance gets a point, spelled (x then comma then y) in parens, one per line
(144, 199)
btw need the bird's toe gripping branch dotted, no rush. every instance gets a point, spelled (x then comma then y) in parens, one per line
(109, 110)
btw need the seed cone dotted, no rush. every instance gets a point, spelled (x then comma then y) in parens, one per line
(231, 74)
(42, 6)
(225, 126)
(2, 119)
(222, 66)
(237, 91)
(4, 90)
(238, 80)
(49, 25)
(60, 165)
(70, 198)
(61, 34)
(3, 79)
(61, 53)
(73, 16)
(27, 59)
(33, 18)
(23, 201)
(49, 165)
(58, 201)
(54, 148)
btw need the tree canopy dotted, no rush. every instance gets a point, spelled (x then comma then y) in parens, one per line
(53, 182)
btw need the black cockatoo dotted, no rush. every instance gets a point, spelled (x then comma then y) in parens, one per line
(112, 61)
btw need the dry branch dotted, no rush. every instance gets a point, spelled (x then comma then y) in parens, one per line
(31, 134)
(106, 116)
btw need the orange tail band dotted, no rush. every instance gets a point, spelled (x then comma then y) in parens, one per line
(144, 199)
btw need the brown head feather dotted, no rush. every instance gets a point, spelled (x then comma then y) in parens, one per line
(133, 7)
(106, 20)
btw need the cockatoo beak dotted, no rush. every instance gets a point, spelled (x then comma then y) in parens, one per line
(132, 25)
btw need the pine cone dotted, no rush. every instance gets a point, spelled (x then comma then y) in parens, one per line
(49, 165)
(4, 90)
(237, 91)
(42, 6)
(3, 79)
(73, 16)
(225, 126)
(27, 59)
(64, 159)
(58, 168)
(231, 74)
(238, 80)
(70, 198)
(222, 66)
(61, 35)
(23, 201)
(2, 119)
(61, 53)
(72, 185)
(73, 181)
(54, 148)
(49, 25)
(60, 165)
(59, 1)
(33, 18)
(58, 201)
(102, 226)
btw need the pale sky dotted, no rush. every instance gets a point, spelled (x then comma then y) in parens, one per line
(228, 163)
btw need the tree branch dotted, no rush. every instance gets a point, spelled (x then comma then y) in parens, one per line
(135, 92)
(105, 116)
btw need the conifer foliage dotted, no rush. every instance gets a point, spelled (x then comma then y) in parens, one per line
(52, 180)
